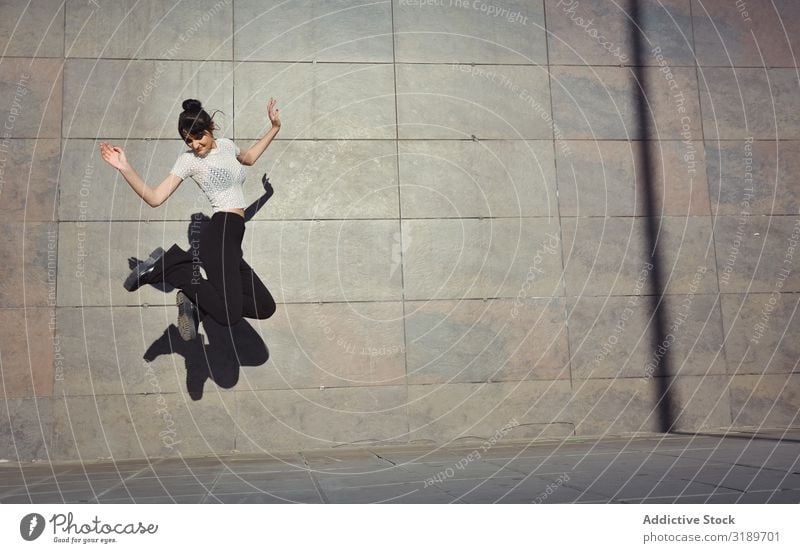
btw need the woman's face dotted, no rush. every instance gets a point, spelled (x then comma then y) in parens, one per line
(201, 146)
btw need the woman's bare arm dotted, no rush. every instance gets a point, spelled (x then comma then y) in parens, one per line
(154, 197)
(251, 155)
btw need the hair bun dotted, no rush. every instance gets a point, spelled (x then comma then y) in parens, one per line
(192, 105)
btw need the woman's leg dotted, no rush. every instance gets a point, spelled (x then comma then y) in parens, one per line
(232, 289)
(220, 295)
(257, 302)
(174, 268)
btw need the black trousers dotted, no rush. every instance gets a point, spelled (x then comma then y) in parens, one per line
(232, 289)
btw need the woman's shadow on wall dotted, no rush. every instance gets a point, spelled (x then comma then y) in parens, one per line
(228, 347)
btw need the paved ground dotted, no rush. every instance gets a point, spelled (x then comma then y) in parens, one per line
(736, 468)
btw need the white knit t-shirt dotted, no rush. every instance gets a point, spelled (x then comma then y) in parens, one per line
(219, 174)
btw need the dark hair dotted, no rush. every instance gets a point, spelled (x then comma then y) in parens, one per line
(194, 121)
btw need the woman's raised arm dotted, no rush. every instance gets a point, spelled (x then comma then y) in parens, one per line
(154, 197)
(251, 155)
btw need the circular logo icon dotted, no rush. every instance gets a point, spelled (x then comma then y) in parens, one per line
(31, 526)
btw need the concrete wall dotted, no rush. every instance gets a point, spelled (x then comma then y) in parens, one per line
(457, 239)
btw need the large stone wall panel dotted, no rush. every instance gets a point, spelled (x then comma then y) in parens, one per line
(498, 178)
(460, 101)
(141, 98)
(346, 30)
(465, 32)
(149, 29)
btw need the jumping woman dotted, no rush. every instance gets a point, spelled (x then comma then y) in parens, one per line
(231, 289)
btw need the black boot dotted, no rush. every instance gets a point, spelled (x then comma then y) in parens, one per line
(142, 274)
(188, 316)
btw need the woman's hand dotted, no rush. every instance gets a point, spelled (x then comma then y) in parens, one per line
(274, 114)
(113, 155)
